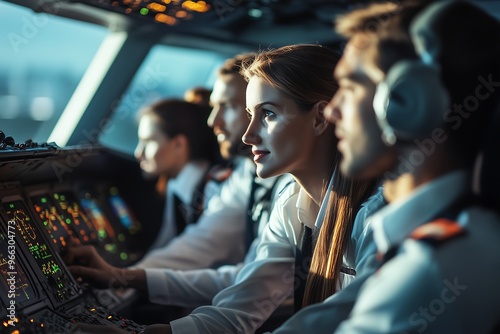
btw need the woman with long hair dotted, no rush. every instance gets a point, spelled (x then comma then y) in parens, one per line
(288, 90)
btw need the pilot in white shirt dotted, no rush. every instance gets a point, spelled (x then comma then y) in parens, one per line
(436, 286)
(218, 235)
(184, 186)
(260, 286)
(191, 288)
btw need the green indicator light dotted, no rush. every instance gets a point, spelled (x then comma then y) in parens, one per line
(110, 248)
(45, 223)
(123, 256)
(44, 200)
(144, 11)
(11, 206)
(68, 221)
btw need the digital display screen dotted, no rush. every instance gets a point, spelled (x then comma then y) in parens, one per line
(14, 280)
(108, 237)
(92, 221)
(104, 229)
(59, 227)
(111, 217)
(121, 210)
(27, 232)
(82, 225)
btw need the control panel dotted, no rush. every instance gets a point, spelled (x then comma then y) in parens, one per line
(51, 198)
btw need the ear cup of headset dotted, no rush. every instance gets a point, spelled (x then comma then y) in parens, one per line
(411, 101)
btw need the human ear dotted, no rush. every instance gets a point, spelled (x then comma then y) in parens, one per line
(180, 142)
(320, 123)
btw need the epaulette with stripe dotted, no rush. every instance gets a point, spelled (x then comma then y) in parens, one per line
(435, 233)
(438, 231)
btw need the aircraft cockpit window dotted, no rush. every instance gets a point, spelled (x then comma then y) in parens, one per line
(167, 71)
(42, 60)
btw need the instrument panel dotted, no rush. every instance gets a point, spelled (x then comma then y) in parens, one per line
(38, 219)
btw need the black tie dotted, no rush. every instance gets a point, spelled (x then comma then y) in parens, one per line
(303, 258)
(258, 204)
(180, 214)
(249, 228)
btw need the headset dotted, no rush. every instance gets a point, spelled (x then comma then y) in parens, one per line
(411, 100)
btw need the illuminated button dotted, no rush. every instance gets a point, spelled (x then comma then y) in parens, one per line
(110, 248)
(181, 14)
(162, 18)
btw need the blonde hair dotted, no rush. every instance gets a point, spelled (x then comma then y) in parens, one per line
(304, 72)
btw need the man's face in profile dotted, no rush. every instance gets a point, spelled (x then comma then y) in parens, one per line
(228, 118)
(363, 152)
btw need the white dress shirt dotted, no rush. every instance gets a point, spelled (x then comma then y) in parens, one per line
(451, 287)
(218, 235)
(263, 284)
(191, 288)
(183, 186)
(360, 256)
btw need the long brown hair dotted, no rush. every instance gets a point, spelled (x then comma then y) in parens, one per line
(305, 73)
(346, 197)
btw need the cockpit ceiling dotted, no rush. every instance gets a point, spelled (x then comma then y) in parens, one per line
(261, 22)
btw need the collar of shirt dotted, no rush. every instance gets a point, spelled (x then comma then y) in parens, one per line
(324, 204)
(308, 211)
(393, 223)
(186, 181)
(264, 185)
